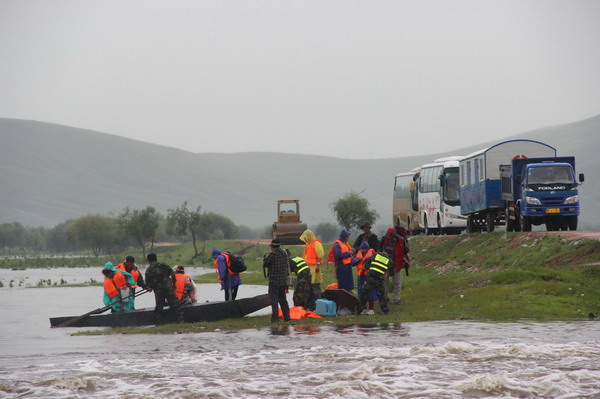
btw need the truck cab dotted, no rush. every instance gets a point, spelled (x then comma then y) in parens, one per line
(541, 191)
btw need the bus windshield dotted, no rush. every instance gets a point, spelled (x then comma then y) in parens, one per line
(451, 186)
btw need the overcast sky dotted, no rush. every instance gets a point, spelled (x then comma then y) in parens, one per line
(351, 79)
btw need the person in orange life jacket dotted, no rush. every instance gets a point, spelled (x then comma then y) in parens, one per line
(130, 267)
(343, 254)
(313, 256)
(378, 267)
(368, 236)
(185, 289)
(393, 242)
(117, 284)
(364, 255)
(229, 280)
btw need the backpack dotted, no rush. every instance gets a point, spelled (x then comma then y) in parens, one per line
(237, 263)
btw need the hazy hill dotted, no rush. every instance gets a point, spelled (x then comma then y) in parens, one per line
(52, 173)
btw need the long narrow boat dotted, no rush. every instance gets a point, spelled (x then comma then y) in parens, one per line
(208, 311)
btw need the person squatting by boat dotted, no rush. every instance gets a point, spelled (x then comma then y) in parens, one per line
(117, 287)
(160, 279)
(303, 293)
(185, 288)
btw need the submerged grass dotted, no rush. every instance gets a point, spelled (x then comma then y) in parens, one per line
(495, 276)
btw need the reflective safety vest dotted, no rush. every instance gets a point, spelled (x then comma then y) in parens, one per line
(300, 265)
(134, 272)
(344, 247)
(310, 254)
(380, 263)
(227, 263)
(363, 255)
(113, 286)
(182, 280)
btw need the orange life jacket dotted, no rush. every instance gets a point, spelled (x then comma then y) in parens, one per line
(310, 254)
(344, 247)
(182, 280)
(363, 257)
(134, 273)
(113, 285)
(227, 263)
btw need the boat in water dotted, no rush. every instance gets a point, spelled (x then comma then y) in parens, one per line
(197, 312)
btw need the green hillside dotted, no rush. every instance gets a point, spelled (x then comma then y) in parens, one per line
(52, 173)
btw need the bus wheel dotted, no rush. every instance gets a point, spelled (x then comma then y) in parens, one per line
(439, 225)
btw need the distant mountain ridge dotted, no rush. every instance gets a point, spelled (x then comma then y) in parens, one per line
(52, 173)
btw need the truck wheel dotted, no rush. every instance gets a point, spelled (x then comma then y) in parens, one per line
(490, 222)
(525, 223)
(551, 226)
(572, 221)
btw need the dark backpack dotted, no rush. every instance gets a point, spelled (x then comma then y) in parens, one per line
(237, 263)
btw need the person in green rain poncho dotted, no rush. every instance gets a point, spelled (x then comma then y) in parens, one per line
(117, 284)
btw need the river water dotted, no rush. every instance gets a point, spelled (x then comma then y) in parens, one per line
(454, 359)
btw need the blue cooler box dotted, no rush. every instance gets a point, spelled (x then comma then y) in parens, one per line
(325, 307)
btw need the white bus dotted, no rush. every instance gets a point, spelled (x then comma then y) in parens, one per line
(439, 204)
(405, 206)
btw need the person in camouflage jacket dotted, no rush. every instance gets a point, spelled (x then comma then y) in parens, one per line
(160, 278)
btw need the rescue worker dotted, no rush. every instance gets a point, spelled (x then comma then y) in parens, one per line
(278, 267)
(117, 287)
(368, 236)
(185, 289)
(313, 256)
(378, 268)
(130, 267)
(160, 278)
(364, 255)
(342, 257)
(302, 289)
(230, 281)
(395, 243)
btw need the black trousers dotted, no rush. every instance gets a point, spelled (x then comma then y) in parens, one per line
(167, 294)
(279, 298)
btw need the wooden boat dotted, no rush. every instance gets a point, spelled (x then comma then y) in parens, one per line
(208, 311)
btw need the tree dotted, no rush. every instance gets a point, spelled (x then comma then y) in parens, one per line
(95, 232)
(140, 225)
(12, 235)
(181, 220)
(218, 227)
(352, 210)
(327, 231)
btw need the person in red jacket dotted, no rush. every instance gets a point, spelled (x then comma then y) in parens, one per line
(395, 243)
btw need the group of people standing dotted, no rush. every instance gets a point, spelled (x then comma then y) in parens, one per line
(375, 261)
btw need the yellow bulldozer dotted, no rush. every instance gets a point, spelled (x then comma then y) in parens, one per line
(288, 227)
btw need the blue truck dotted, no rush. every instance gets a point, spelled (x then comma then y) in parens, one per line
(519, 183)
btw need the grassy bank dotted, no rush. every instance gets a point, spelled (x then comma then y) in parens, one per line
(495, 277)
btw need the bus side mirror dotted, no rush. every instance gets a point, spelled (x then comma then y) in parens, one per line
(581, 178)
(412, 186)
(442, 180)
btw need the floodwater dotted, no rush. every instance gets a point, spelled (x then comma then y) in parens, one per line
(454, 359)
